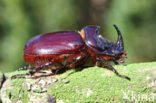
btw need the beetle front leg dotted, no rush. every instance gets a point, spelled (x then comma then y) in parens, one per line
(110, 67)
(32, 71)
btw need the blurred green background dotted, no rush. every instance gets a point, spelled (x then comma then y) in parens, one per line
(20, 20)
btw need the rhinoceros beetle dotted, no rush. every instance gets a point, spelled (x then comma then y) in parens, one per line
(69, 49)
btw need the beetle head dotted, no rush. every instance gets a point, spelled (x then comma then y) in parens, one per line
(116, 50)
(100, 45)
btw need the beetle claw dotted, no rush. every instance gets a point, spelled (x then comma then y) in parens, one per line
(123, 76)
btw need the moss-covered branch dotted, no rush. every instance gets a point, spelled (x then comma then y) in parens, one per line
(86, 86)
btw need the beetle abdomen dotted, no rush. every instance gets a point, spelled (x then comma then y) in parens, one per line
(37, 60)
(55, 43)
(58, 59)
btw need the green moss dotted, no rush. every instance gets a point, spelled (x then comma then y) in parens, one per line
(98, 84)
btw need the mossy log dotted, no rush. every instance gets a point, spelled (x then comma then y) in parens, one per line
(90, 85)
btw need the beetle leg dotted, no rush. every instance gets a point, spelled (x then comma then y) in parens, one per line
(110, 67)
(25, 68)
(33, 71)
(39, 68)
(77, 61)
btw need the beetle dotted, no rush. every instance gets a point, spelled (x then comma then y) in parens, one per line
(69, 49)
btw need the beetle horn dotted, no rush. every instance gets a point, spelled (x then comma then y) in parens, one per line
(119, 42)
